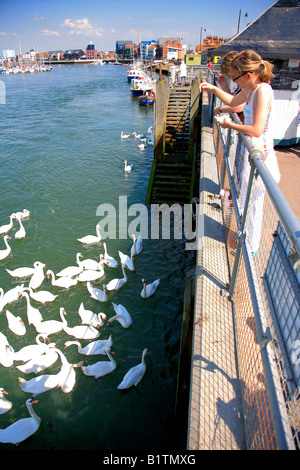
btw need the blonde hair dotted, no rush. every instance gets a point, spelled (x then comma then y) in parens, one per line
(226, 62)
(250, 61)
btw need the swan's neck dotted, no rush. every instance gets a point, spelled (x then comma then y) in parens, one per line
(32, 412)
(110, 357)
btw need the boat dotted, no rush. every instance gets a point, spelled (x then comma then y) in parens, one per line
(134, 73)
(140, 86)
(148, 99)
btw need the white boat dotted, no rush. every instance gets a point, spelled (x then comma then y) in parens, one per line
(141, 86)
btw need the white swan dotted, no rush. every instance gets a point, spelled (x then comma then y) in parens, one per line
(137, 245)
(97, 294)
(89, 239)
(48, 327)
(67, 376)
(71, 271)
(23, 214)
(122, 316)
(7, 227)
(112, 263)
(12, 295)
(37, 277)
(5, 405)
(33, 314)
(1, 299)
(4, 253)
(93, 348)
(21, 233)
(101, 368)
(127, 167)
(91, 274)
(90, 318)
(30, 351)
(40, 362)
(6, 352)
(79, 331)
(65, 282)
(116, 284)
(126, 260)
(141, 146)
(149, 289)
(23, 428)
(15, 324)
(135, 374)
(124, 136)
(41, 296)
(23, 272)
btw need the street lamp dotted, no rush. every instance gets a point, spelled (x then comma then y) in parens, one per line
(201, 38)
(245, 15)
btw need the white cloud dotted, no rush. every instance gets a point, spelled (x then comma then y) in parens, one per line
(38, 18)
(46, 32)
(2, 33)
(82, 26)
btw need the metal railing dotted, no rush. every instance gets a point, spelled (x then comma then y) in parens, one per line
(263, 242)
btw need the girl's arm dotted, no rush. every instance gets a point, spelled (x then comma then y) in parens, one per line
(227, 98)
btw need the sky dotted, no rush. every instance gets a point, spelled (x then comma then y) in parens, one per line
(45, 25)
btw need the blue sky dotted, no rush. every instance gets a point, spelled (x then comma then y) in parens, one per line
(70, 24)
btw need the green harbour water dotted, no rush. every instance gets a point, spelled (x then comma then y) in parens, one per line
(62, 157)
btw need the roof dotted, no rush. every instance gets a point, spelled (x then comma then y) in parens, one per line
(274, 34)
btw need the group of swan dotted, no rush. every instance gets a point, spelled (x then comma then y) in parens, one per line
(21, 233)
(148, 139)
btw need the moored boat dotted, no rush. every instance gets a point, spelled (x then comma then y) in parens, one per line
(141, 86)
(147, 99)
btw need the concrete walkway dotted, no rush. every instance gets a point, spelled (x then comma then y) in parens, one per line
(215, 420)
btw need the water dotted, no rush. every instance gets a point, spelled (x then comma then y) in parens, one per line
(61, 157)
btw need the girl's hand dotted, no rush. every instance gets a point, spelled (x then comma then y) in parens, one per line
(204, 86)
(226, 123)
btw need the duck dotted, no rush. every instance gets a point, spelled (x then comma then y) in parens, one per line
(149, 289)
(37, 277)
(6, 352)
(40, 362)
(116, 284)
(135, 374)
(97, 294)
(42, 296)
(89, 239)
(71, 271)
(126, 260)
(112, 263)
(15, 324)
(11, 295)
(93, 348)
(5, 228)
(21, 233)
(23, 428)
(137, 245)
(124, 136)
(65, 282)
(90, 318)
(5, 405)
(4, 253)
(33, 314)
(127, 167)
(122, 316)
(30, 351)
(22, 215)
(23, 271)
(101, 368)
(78, 331)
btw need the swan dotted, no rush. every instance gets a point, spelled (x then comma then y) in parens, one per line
(124, 136)
(4, 253)
(135, 374)
(7, 227)
(23, 214)
(90, 275)
(21, 233)
(93, 348)
(67, 376)
(79, 331)
(127, 167)
(37, 277)
(71, 271)
(126, 260)
(1, 298)
(101, 368)
(116, 284)
(92, 264)
(23, 428)
(97, 294)
(40, 362)
(90, 318)
(48, 327)
(6, 352)
(15, 324)
(112, 263)
(5, 405)
(33, 314)
(23, 272)
(122, 316)
(32, 350)
(137, 245)
(12, 295)
(65, 282)
(42, 296)
(92, 238)
(141, 146)
(149, 289)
